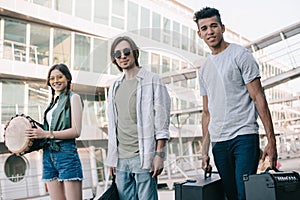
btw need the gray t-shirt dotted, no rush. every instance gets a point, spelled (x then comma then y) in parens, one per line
(223, 78)
(127, 120)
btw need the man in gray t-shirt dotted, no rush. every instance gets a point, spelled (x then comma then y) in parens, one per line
(223, 79)
(232, 100)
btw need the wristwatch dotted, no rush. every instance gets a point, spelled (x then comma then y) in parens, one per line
(52, 136)
(160, 154)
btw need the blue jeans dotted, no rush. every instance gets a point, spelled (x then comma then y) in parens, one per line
(133, 182)
(233, 159)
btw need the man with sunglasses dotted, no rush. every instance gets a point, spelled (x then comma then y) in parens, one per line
(138, 124)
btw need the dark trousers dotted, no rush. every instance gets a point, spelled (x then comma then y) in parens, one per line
(233, 159)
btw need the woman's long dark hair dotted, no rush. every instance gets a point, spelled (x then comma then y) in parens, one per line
(66, 72)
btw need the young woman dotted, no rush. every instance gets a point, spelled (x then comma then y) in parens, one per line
(62, 169)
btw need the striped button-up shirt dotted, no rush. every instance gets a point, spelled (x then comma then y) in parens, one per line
(153, 117)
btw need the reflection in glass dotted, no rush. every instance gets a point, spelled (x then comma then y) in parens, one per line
(132, 21)
(165, 64)
(166, 31)
(118, 7)
(101, 12)
(144, 59)
(156, 26)
(118, 11)
(193, 41)
(145, 23)
(37, 100)
(184, 38)
(64, 6)
(14, 40)
(155, 62)
(82, 53)
(62, 47)
(117, 22)
(46, 3)
(176, 34)
(39, 42)
(100, 61)
(83, 9)
(175, 65)
(13, 103)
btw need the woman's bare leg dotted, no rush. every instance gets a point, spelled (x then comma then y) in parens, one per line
(56, 190)
(73, 190)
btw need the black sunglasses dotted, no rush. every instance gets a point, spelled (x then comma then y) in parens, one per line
(118, 54)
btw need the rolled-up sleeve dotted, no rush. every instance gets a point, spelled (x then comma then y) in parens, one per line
(162, 106)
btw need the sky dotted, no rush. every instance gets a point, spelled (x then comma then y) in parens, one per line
(253, 19)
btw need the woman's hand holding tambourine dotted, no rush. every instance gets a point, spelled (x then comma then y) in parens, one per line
(35, 133)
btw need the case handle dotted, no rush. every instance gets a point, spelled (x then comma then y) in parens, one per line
(269, 168)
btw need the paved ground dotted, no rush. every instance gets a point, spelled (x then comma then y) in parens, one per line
(292, 164)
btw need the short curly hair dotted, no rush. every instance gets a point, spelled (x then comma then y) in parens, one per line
(207, 12)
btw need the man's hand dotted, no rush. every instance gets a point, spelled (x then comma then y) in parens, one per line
(112, 171)
(270, 151)
(157, 166)
(205, 163)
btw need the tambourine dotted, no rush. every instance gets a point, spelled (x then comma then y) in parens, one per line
(15, 139)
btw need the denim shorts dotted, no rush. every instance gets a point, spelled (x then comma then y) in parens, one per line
(63, 164)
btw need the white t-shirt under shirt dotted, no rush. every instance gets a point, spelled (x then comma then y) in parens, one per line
(223, 78)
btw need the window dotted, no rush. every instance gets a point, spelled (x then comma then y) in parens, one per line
(82, 53)
(64, 6)
(176, 34)
(62, 47)
(101, 12)
(14, 40)
(118, 12)
(175, 65)
(132, 21)
(39, 44)
(165, 64)
(99, 164)
(200, 46)
(100, 62)
(193, 41)
(13, 103)
(118, 7)
(145, 22)
(144, 59)
(37, 101)
(184, 65)
(166, 31)
(185, 38)
(114, 69)
(46, 3)
(156, 26)
(15, 168)
(155, 62)
(83, 9)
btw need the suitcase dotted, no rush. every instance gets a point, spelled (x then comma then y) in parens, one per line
(200, 188)
(273, 186)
